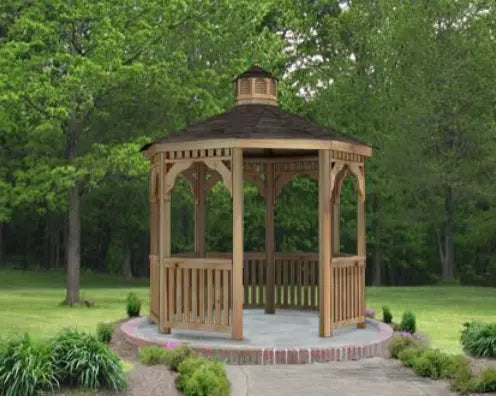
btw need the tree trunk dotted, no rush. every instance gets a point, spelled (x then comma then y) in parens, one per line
(72, 130)
(126, 263)
(73, 248)
(448, 261)
(376, 258)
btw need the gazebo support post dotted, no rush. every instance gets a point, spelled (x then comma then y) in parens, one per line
(335, 225)
(237, 238)
(361, 244)
(200, 210)
(269, 239)
(164, 245)
(325, 257)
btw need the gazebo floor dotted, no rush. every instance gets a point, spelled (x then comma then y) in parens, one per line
(287, 337)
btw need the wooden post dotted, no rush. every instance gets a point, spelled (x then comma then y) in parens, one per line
(154, 241)
(200, 211)
(325, 273)
(336, 240)
(164, 245)
(269, 239)
(237, 262)
(361, 246)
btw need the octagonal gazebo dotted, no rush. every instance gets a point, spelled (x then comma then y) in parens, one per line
(258, 142)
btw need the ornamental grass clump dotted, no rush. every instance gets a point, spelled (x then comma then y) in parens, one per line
(202, 377)
(400, 342)
(177, 355)
(26, 368)
(133, 305)
(485, 382)
(479, 339)
(154, 354)
(84, 361)
(104, 332)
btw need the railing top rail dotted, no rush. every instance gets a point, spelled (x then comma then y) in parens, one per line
(347, 259)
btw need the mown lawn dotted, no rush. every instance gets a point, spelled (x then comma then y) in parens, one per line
(29, 302)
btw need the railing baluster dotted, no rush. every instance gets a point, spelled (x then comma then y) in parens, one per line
(186, 292)
(225, 293)
(194, 295)
(210, 297)
(218, 298)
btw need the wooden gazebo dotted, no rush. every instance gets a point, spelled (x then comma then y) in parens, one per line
(258, 142)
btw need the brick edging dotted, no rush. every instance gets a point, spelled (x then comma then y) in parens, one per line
(273, 355)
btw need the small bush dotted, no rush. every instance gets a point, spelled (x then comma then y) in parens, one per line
(84, 361)
(154, 354)
(432, 363)
(409, 355)
(133, 305)
(387, 316)
(485, 382)
(26, 368)
(177, 355)
(408, 322)
(200, 377)
(400, 342)
(479, 339)
(104, 332)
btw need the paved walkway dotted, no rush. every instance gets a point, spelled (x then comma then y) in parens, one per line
(373, 376)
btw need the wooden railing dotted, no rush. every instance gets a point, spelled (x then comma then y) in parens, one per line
(198, 293)
(199, 290)
(349, 288)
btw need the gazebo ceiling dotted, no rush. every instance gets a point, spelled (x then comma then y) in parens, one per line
(258, 124)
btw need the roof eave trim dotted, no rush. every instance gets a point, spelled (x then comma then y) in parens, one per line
(301, 144)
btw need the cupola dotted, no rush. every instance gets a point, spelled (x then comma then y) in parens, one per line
(255, 86)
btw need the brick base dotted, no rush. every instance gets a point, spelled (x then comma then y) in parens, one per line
(279, 355)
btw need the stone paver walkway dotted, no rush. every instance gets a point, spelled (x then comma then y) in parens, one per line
(375, 376)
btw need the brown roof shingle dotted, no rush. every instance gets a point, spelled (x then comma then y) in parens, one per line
(256, 121)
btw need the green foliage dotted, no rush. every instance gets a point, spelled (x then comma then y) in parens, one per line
(177, 355)
(400, 342)
(432, 363)
(408, 322)
(485, 382)
(201, 377)
(104, 332)
(84, 361)
(154, 354)
(387, 316)
(409, 354)
(26, 368)
(133, 305)
(479, 339)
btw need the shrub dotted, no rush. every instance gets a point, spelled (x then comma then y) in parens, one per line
(154, 354)
(200, 377)
(479, 339)
(408, 322)
(485, 382)
(432, 363)
(177, 355)
(387, 316)
(104, 332)
(133, 305)
(26, 368)
(400, 342)
(84, 361)
(409, 355)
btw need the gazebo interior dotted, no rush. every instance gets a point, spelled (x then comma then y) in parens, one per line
(258, 142)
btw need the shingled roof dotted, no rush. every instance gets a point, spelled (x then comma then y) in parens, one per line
(255, 71)
(256, 121)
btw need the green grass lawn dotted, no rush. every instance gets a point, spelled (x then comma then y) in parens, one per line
(29, 302)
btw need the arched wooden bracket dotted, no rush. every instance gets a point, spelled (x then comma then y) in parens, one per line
(257, 179)
(190, 175)
(359, 173)
(221, 168)
(338, 174)
(171, 175)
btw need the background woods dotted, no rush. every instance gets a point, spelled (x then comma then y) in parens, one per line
(83, 85)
